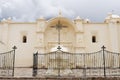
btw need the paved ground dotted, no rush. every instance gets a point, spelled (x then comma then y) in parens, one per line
(27, 72)
(93, 78)
(23, 72)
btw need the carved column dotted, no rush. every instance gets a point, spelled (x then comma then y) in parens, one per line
(79, 35)
(40, 35)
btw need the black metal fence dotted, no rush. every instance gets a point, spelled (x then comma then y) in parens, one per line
(97, 64)
(7, 61)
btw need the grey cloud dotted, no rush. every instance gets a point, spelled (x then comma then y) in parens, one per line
(29, 10)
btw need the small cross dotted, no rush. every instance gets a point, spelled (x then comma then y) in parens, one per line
(59, 26)
(60, 13)
(14, 47)
(58, 47)
(103, 47)
(112, 11)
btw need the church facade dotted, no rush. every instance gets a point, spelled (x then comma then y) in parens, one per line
(76, 36)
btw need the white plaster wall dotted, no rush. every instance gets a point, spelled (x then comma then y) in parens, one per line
(3, 46)
(102, 36)
(24, 52)
(118, 36)
(113, 36)
(0, 32)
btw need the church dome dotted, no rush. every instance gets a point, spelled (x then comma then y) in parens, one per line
(87, 21)
(114, 16)
(78, 18)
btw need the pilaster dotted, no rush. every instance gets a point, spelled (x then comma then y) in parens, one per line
(113, 31)
(80, 46)
(40, 35)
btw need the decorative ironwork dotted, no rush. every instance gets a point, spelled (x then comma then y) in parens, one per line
(103, 48)
(84, 65)
(7, 61)
(59, 63)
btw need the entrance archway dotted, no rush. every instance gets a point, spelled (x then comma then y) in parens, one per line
(67, 34)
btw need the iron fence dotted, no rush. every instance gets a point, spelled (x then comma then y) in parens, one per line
(7, 61)
(97, 64)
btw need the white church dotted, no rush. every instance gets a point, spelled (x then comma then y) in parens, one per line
(78, 35)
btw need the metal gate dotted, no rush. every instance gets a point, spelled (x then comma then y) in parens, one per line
(97, 64)
(7, 61)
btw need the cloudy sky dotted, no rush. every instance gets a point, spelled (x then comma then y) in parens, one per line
(30, 10)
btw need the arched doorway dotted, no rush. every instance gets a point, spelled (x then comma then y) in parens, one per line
(67, 34)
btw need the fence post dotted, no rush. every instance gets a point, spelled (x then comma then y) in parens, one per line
(84, 68)
(103, 49)
(14, 48)
(35, 63)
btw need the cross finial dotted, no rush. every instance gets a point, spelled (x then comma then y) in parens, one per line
(103, 47)
(14, 47)
(112, 11)
(60, 13)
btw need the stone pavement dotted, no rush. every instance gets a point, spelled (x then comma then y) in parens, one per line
(36, 78)
(26, 74)
(23, 72)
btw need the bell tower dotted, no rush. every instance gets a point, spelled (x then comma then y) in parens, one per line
(80, 46)
(112, 20)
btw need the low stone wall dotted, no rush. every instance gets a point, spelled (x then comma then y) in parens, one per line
(32, 78)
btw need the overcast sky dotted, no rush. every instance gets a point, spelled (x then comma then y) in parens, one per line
(30, 10)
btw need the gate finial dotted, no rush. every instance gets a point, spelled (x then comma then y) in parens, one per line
(59, 47)
(14, 47)
(103, 47)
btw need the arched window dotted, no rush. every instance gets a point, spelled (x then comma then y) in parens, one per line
(24, 39)
(93, 39)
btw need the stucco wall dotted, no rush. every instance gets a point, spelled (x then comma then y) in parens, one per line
(24, 52)
(102, 35)
(39, 34)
